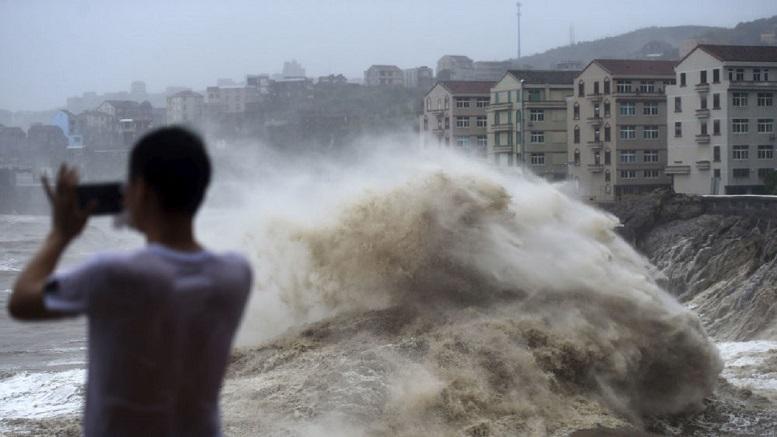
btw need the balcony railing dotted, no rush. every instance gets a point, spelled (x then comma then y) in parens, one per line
(595, 168)
(498, 106)
(500, 127)
(703, 113)
(702, 87)
(596, 120)
(703, 165)
(678, 170)
(702, 139)
(596, 143)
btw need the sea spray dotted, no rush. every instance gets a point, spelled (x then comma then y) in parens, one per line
(427, 294)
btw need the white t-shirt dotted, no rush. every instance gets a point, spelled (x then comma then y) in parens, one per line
(161, 325)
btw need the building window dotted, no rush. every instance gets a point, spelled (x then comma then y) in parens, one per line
(596, 88)
(682, 79)
(716, 101)
(740, 153)
(482, 141)
(537, 159)
(481, 102)
(607, 133)
(766, 152)
(703, 102)
(576, 111)
(597, 135)
(462, 121)
(766, 75)
(428, 104)
(763, 173)
(716, 75)
(607, 85)
(765, 125)
(765, 99)
(716, 154)
(739, 126)
(650, 108)
(628, 108)
(607, 157)
(756, 74)
(580, 89)
(607, 178)
(623, 86)
(650, 132)
(462, 102)
(739, 99)
(716, 173)
(652, 173)
(481, 121)
(537, 137)
(596, 110)
(577, 135)
(715, 127)
(650, 156)
(447, 123)
(628, 174)
(678, 129)
(462, 141)
(740, 74)
(577, 157)
(607, 108)
(703, 77)
(597, 158)
(628, 132)
(703, 128)
(628, 156)
(678, 104)
(741, 173)
(535, 95)
(495, 98)
(536, 115)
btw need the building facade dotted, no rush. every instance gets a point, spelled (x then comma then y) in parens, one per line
(185, 107)
(617, 128)
(419, 77)
(722, 116)
(455, 116)
(384, 75)
(231, 99)
(527, 123)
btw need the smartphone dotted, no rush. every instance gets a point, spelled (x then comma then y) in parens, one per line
(107, 197)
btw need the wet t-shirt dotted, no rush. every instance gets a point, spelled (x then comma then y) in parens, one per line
(160, 326)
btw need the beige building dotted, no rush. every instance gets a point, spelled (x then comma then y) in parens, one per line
(384, 75)
(455, 116)
(185, 107)
(231, 99)
(722, 119)
(527, 121)
(617, 128)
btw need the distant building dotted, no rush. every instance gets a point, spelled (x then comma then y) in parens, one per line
(333, 80)
(722, 119)
(455, 116)
(383, 75)
(454, 67)
(617, 128)
(769, 38)
(129, 118)
(419, 77)
(292, 69)
(259, 81)
(138, 89)
(527, 118)
(569, 65)
(230, 99)
(69, 124)
(490, 70)
(185, 107)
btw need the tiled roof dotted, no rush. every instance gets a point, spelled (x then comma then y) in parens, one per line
(741, 53)
(468, 86)
(637, 67)
(554, 77)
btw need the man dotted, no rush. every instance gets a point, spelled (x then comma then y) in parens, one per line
(162, 318)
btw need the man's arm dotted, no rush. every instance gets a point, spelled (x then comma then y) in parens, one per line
(68, 220)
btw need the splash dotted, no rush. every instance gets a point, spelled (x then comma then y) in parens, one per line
(436, 296)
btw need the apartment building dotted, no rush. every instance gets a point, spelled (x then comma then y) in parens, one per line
(617, 128)
(721, 119)
(418, 77)
(455, 116)
(384, 75)
(231, 99)
(527, 121)
(185, 107)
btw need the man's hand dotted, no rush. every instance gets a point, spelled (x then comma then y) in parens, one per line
(67, 221)
(67, 217)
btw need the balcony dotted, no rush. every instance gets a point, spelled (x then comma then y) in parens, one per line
(702, 88)
(678, 170)
(703, 113)
(595, 97)
(500, 127)
(499, 106)
(595, 168)
(702, 139)
(596, 144)
(545, 104)
(703, 165)
(595, 121)
(753, 85)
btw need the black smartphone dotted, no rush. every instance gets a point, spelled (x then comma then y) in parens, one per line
(107, 195)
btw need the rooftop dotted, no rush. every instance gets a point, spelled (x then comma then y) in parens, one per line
(468, 87)
(637, 67)
(553, 77)
(741, 53)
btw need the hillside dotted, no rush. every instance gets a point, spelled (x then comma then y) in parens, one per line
(651, 40)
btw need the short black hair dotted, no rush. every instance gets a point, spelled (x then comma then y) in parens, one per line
(174, 164)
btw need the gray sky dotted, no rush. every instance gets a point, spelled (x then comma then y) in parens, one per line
(52, 49)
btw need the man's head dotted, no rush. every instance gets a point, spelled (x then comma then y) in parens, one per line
(169, 171)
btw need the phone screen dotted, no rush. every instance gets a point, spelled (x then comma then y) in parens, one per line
(108, 197)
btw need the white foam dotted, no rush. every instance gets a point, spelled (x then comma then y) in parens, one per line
(29, 395)
(742, 358)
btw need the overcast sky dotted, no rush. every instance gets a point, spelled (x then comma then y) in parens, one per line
(52, 49)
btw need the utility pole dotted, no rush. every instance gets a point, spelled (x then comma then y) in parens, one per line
(518, 7)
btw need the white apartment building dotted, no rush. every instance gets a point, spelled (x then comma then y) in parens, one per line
(527, 121)
(231, 99)
(185, 107)
(722, 119)
(617, 128)
(384, 75)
